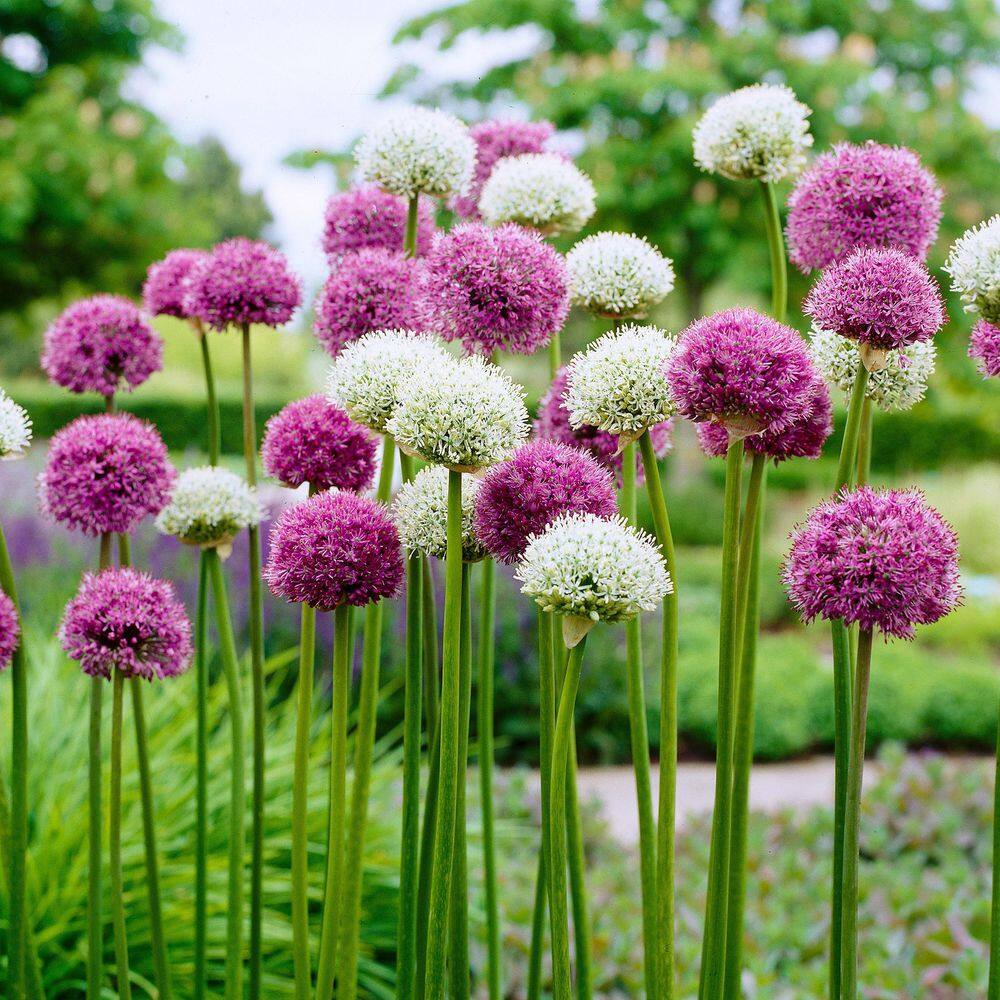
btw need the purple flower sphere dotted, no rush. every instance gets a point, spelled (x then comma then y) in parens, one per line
(879, 559)
(553, 424)
(494, 289)
(373, 289)
(884, 299)
(314, 441)
(105, 473)
(862, 196)
(744, 370)
(168, 283)
(524, 495)
(984, 344)
(367, 216)
(101, 344)
(243, 281)
(334, 548)
(10, 630)
(128, 621)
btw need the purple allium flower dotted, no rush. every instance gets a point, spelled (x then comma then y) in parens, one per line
(334, 548)
(494, 289)
(168, 283)
(373, 289)
(539, 482)
(101, 344)
(243, 281)
(105, 473)
(984, 344)
(10, 630)
(553, 424)
(125, 620)
(880, 559)
(495, 140)
(884, 299)
(367, 216)
(862, 196)
(744, 370)
(314, 441)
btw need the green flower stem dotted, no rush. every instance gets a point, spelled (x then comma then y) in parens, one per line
(852, 824)
(427, 840)
(410, 235)
(442, 861)
(201, 784)
(237, 794)
(865, 444)
(213, 423)
(115, 838)
(555, 352)
(538, 910)
(430, 645)
(776, 250)
(994, 982)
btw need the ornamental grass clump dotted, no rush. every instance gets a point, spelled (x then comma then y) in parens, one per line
(368, 217)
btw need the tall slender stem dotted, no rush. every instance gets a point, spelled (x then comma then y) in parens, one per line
(115, 838)
(555, 355)
(776, 250)
(865, 444)
(410, 234)
(538, 911)
(430, 648)
(213, 423)
(994, 981)
(201, 784)
(428, 836)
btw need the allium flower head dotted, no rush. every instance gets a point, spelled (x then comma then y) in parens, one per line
(617, 384)
(759, 132)
(862, 196)
(974, 266)
(15, 428)
(465, 415)
(618, 275)
(501, 289)
(879, 559)
(495, 140)
(372, 289)
(168, 283)
(984, 344)
(10, 630)
(314, 441)
(539, 482)
(105, 473)
(334, 548)
(367, 375)
(418, 151)
(901, 384)
(367, 216)
(243, 281)
(744, 370)
(543, 191)
(421, 514)
(209, 506)
(101, 344)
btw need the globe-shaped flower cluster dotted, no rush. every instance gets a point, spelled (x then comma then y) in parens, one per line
(984, 345)
(974, 266)
(10, 630)
(209, 506)
(420, 510)
(367, 216)
(15, 428)
(168, 283)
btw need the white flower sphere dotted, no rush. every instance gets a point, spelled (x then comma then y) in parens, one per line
(543, 191)
(898, 386)
(15, 428)
(366, 377)
(421, 514)
(974, 266)
(618, 384)
(759, 132)
(618, 274)
(463, 414)
(209, 506)
(418, 151)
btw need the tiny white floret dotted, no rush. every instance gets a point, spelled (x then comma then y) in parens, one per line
(420, 511)
(209, 506)
(974, 266)
(15, 428)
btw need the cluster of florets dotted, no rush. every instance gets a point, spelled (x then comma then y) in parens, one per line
(240, 282)
(168, 283)
(105, 473)
(759, 132)
(333, 549)
(984, 345)
(209, 506)
(101, 344)
(367, 216)
(418, 151)
(10, 630)
(465, 415)
(618, 275)
(421, 514)
(878, 559)
(128, 622)
(15, 428)
(974, 266)
(862, 196)
(501, 289)
(543, 191)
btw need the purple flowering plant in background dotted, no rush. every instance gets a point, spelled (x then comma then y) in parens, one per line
(984, 346)
(10, 630)
(167, 286)
(367, 216)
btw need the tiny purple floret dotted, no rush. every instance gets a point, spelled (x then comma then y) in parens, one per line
(367, 216)
(984, 345)
(168, 283)
(10, 630)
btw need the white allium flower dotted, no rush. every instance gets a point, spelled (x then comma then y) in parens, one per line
(421, 514)
(974, 266)
(618, 274)
(209, 506)
(366, 377)
(15, 428)
(544, 191)
(418, 151)
(759, 132)
(898, 386)
(464, 414)
(618, 384)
